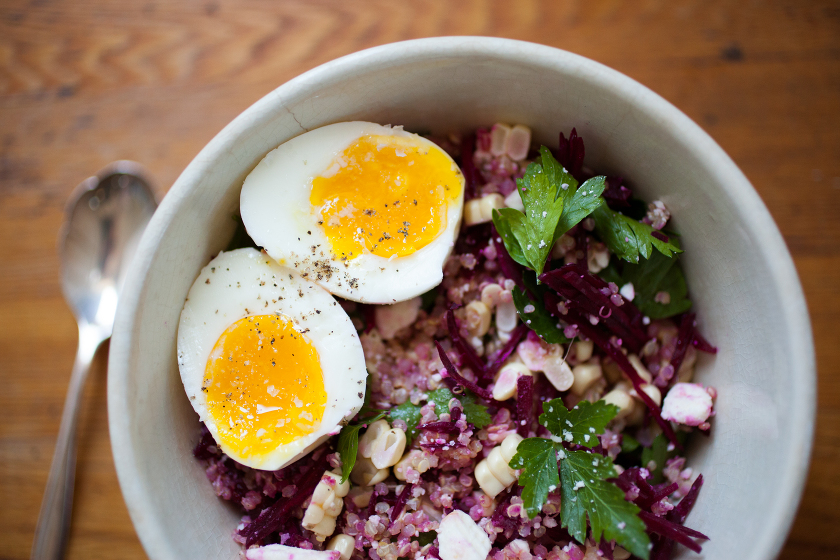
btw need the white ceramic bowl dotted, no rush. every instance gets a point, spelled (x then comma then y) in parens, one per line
(740, 274)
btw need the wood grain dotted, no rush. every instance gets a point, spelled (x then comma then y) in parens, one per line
(86, 82)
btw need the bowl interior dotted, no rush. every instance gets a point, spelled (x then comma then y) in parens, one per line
(740, 275)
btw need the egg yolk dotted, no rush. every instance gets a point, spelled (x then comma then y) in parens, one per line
(385, 195)
(264, 385)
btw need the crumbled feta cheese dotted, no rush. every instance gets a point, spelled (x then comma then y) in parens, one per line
(687, 403)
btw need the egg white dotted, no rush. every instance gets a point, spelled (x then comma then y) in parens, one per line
(278, 216)
(243, 283)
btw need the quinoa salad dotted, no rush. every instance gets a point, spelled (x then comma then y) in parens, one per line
(534, 405)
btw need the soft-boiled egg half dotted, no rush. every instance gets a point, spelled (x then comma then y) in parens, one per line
(271, 363)
(369, 212)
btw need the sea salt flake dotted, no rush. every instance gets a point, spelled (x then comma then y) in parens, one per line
(263, 409)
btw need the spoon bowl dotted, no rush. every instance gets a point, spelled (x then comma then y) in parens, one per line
(105, 218)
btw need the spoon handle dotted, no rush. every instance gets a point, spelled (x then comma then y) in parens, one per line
(57, 505)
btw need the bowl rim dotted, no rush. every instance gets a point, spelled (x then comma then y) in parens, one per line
(769, 243)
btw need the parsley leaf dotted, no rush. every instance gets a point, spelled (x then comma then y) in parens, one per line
(658, 274)
(584, 201)
(578, 203)
(553, 204)
(627, 238)
(427, 300)
(426, 538)
(629, 444)
(585, 491)
(475, 413)
(582, 476)
(537, 319)
(348, 444)
(581, 424)
(611, 274)
(537, 457)
(534, 230)
(659, 453)
(409, 413)
(502, 219)
(651, 276)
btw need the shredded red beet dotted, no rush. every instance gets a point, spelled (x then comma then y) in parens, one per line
(669, 528)
(467, 352)
(444, 427)
(626, 321)
(372, 504)
(599, 449)
(570, 153)
(682, 509)
(433, 551)
(468, 166)
(402, 498)
(595, 335)
(273, 516)
(664, 492)
(524, 403)
(688, 334)
(452, 374)
(605, 549)
(592, 295)
(515, 337)
(684, 338)
(702, 344)
(633, 477)
(662, 548)
(679, 533)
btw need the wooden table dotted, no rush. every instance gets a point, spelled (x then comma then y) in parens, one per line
(85, 83)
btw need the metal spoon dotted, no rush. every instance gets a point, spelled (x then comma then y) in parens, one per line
(105, 217)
